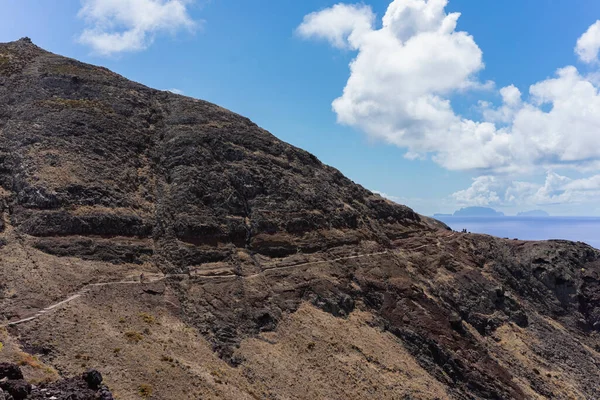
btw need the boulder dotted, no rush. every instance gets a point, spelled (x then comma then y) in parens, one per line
(19, 389)
(10, 371)
(93, 378)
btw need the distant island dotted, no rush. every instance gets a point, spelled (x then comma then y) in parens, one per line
(533, 213)
(477, 212)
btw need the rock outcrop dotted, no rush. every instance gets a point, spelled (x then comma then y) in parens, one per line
(87, 387)
(101, 178)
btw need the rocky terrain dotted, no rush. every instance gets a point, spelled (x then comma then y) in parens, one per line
(186, 253)
(87, 386)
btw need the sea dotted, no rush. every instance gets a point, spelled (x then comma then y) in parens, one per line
(578, 229)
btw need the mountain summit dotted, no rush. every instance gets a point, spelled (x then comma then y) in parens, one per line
(185, 252)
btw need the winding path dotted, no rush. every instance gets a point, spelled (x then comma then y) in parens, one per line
(152, 279)
(77, 295)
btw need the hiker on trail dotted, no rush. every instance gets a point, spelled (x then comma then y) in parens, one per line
(142, 278)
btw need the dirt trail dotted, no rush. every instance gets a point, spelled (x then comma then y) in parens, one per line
(84, 290)
(160, 277)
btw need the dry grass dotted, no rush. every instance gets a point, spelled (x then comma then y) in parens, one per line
(174, 352)
(59, 174)
(69, 69)
(519, 343)
(34, 369)
(342, 358)
(59, 103)
(24, 359)
(217, 124)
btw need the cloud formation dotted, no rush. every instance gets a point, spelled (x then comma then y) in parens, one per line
(342, 25)
(406, 72)
(482, 192)
(556, 189)
(118, 26)
(588, 44)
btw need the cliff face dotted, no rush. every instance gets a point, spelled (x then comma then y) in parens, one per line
(266, 273)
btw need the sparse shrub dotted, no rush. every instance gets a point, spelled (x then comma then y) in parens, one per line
(28, 360)
(50, 370)
(145, 390)
(217, 375)
(147, 318)
(167, 358)
(134, 336)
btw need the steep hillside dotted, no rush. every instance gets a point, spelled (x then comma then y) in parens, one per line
(264, 273)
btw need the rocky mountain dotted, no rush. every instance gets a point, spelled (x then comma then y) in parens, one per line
(185, 252)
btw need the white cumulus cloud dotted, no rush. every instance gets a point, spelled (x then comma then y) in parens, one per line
(403, 72)
(482, 192)
(588, 44)
(342, 25)
(117, 26)
(511, 103)
(406, 72)
(556, 189)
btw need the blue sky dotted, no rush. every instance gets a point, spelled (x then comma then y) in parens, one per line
(283, 63)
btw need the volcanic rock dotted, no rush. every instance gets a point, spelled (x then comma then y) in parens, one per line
(272, 274)
(10, 371)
